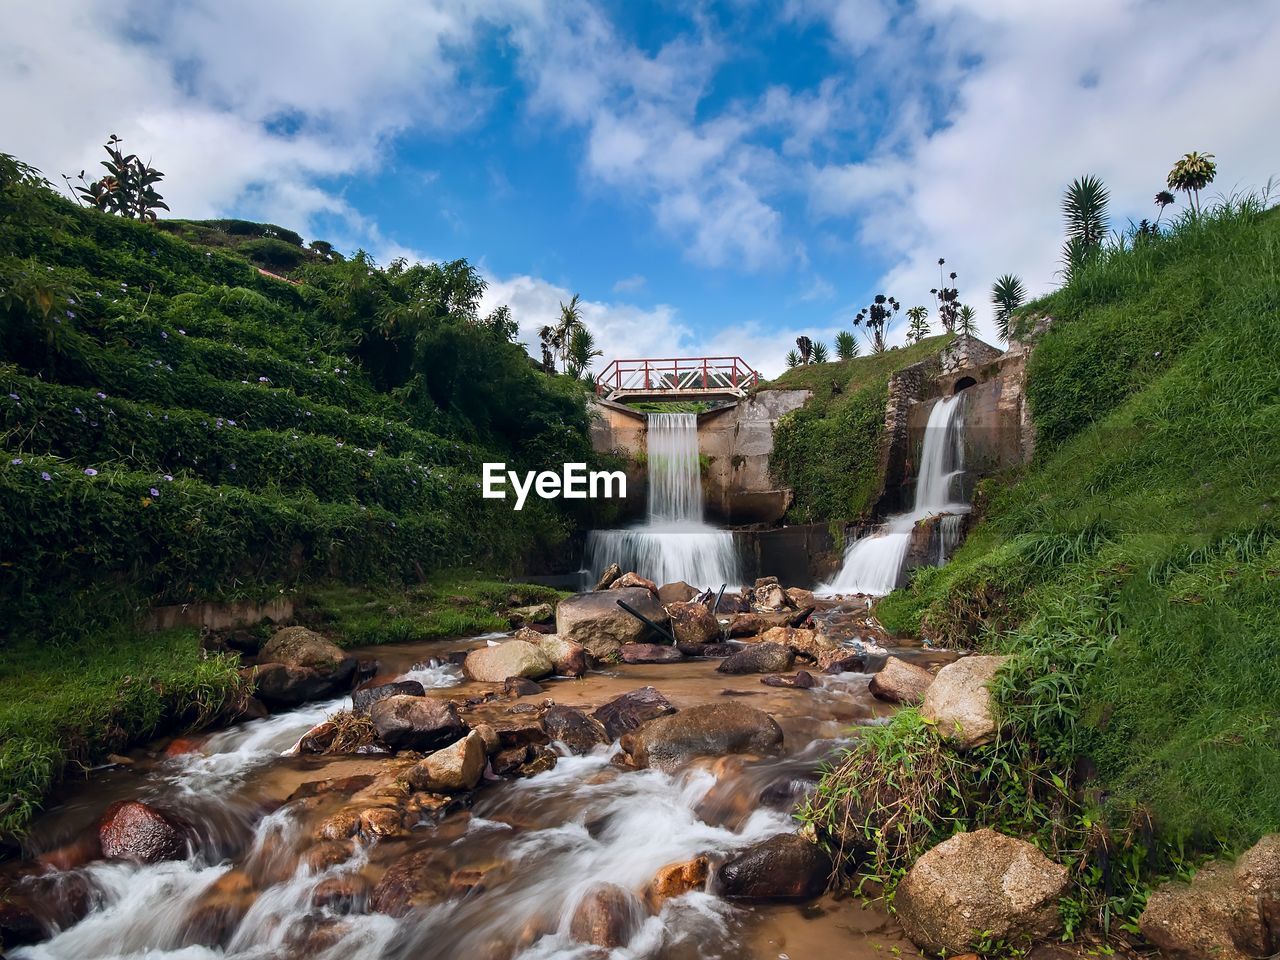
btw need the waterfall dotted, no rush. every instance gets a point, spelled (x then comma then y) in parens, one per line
(873, 564)
(674, 543)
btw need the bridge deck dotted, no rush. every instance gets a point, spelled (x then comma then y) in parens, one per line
(677, 378)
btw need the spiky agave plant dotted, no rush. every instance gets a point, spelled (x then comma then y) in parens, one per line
(793, 359)
(820, 353)
(1007, 295)
(966, 321)
(1084, 208)
(846, 345)
(1191, 174)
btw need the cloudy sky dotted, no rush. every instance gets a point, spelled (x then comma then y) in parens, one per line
(710, 177)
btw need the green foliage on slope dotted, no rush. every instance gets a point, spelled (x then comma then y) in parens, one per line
(828, 451)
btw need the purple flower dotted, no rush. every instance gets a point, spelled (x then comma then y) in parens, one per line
(16, 461)
(168, 477)
(155, 492)
(100, 395)
(14, 396)
(44, 475)
(233, 466)
(79, 411)
(163, 335)
(181, 331)
(90, 472)
(264, 380)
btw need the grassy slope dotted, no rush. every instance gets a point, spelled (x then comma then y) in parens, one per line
(286, 466)
(828, 452)
(1135, 566)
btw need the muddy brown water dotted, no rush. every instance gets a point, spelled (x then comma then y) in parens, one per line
(530, 847)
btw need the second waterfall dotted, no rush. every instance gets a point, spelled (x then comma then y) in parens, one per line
(674, 543)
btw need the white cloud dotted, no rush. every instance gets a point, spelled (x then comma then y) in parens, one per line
(1117, 89)
(630, 284)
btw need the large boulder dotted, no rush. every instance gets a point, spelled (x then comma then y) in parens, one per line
(574, 729)
(607, 916)
(707, 730)
(675, 880)
(568, 659)
(693, 623)
(416, 723)
(414, 881)
(678, 592)
(137, 831)
(1225, 912)
(650, 653)
(362, 700)
(786, 868)
(595, 620)
(803, 642)
(455, 768)
(534, 613)
(980, 884)
(900, 682)
(281, 685)
(300, 647)
(631, 710)
(515, 658)
(747, 625)
(769, 597)
(958, 701)
(759, 658)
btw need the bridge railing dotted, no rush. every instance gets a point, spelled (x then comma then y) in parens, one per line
(677, 375)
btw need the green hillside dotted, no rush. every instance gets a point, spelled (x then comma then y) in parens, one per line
(1133, 570)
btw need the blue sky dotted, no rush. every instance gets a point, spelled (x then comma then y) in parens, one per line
(710, 177)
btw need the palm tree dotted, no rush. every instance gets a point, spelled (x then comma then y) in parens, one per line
(582, 351)
(550, 340)
(1163, 199)
(570, 320)
(793, 359)
(966, 321)
(877, 317)
(1191, 174)
(919, 328)
(820, 354)
(1084, 207)
(846, 345)
(1007, 295)
(805, 346)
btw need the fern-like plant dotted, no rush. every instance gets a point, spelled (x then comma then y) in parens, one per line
(1007, 295)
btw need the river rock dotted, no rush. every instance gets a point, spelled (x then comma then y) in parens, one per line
(414, 881)
(281, 685)
(455, 768)
(300, 647)
(574, 729)
(611, 573)
(607, 916)
(345, 892)
(807, 643)
(520, 687)
(633, 579)
(36, 906)
(843, 660)
(514, 658)
(693, 623)
(678, 592)
(707, 730)
(759, 658)
(595, 620)
(629, 711)
(675, 880)
(220, 907)
(747, 625)
(958, 701)
(769, 597)
(976, 884)
(364, 698)
(416, 723)
(1225, 912)
(900, 682)
(137, 831)
(650, 653)
(707, 651)
(799, 598)
(803, 680)
(535, 613)
(568, 659)
(785, 868)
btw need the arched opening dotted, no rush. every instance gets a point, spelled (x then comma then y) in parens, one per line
(962, 383)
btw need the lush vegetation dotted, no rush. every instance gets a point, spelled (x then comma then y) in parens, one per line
(1133, 571)
(828, 452)
(178, 424)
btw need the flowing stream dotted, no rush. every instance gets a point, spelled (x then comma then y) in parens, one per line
(674, 543)
(873, 564)
(253, 889)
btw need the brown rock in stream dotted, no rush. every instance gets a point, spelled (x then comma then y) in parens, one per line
(596, 622)
(627, 712)
(675, 880)
(803, 680)
(678, 592)
(784, 868)
(137, 831)
(574, 729)
(900, 682)
(608, 916)
(414, 881)
(455, 768)
(707, 730)
(416, 723)
(759, 658)
(650, 653)
(611, 573)
(693, 623)
(633, 579)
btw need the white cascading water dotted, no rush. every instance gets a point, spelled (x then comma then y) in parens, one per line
(674, 543)
(873, 564)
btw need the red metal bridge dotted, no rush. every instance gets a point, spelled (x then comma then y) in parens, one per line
(678, 378)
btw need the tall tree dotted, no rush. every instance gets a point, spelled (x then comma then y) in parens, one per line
(846, 345)
(582, 351)
(877, 318)
(570, 320)
(1084, 208)
(805, 346)
(946, 297)
(1007, 295)
(1191, 174)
